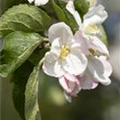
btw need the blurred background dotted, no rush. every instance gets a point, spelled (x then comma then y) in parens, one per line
(102, 103)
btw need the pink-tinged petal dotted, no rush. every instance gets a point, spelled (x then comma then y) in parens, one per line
(72, 78)
(98, 71)
(95, 15)
(52, 66)
(70, 86)
(87, 82)
(64, 83)
(76, 90)
(75, 63)
(61, 31)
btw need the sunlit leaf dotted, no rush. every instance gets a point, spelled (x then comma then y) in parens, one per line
(18, 46)
(25, 18)
(31, 95)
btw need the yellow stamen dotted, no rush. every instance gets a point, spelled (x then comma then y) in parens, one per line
(64, 51)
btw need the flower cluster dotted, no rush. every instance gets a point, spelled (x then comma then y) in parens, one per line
(79, 60)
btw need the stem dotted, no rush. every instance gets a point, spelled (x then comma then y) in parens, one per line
(40, 63)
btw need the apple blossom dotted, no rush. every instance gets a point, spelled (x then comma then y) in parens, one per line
(95, 16)
(98, 69)
(65, 55)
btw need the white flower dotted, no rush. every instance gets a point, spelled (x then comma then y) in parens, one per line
(98, 69)
(65, 55)
(94, 17)
(88, 28)
(38, 2)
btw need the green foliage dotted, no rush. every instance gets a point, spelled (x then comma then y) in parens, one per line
(19, 81)
(31, 95)
(37, 55)
(1, 44)
(82, 6)
(25, 91)
(18, 46)
(25, 18)
(64, 15)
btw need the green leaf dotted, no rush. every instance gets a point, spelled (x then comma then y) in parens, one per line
(31, 95)
(5, 4)
(60, 12)
(1, 44)
(25, 18)
(82, 6)
(18, 46)
(19, 81)
(64, 15)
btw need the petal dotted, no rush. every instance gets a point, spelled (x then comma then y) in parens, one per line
(72, 78)
(71, 88)
(40, 2)
(81, 38)
(107, 65)
(75, 63)
(87, 82)
(61, 31)
(52, 65)
(56, 47)
(92, 29)
(64, 83)
(95, 15)
(98, 71)
(70, 7)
